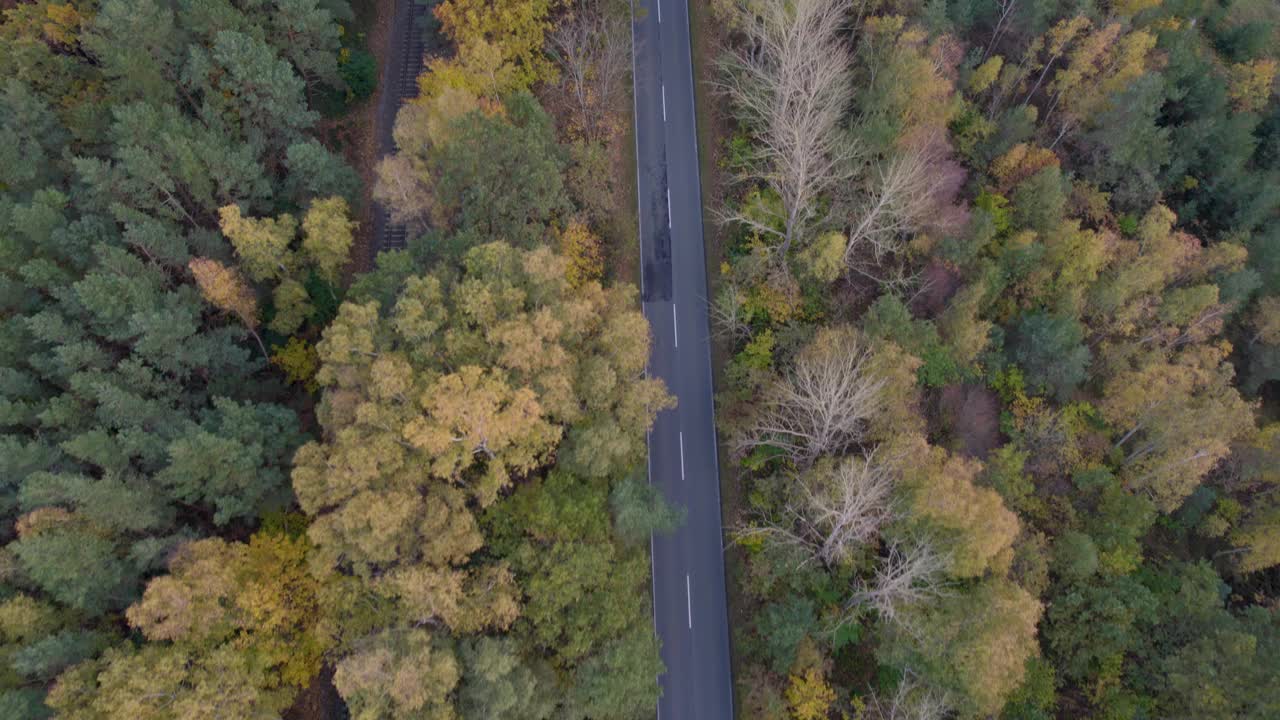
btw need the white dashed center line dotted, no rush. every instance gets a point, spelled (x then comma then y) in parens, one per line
(675, 325)
(688, 596)
(681, 454)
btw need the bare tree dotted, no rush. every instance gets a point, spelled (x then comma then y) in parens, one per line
(908, 575)
(1006, 8)
(834, 510)
(789, 84)
(907, 191)
(592, 44)
(729, 314)
(850, 507)
(822, 404)
(911, 701)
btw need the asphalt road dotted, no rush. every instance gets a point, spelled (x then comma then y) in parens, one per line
(688, 565)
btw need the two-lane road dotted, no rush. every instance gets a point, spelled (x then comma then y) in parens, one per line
(688, 565)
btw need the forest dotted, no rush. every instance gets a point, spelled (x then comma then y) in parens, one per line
(242, 478)
(997, 285)
(1001, 289)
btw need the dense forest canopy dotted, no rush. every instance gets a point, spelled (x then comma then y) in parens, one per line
(1001, 299)
(1002, 291)
(233, 475)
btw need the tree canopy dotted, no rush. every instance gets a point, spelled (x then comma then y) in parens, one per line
(1030, 483)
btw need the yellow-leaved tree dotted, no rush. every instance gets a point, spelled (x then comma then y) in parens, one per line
(581, 248)
(270, 251)
(511, 32)
(464, 386)
(227, 290)
(234, 630)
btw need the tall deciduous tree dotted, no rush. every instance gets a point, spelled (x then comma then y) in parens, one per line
(262, 244)
(269, 251)
(590, 45)
(258, 597)
(790, 87)
(974, 643)
(514, 30)
(585, 605)
(327, 236)
(162, 681)
(822, 404)
(481, 174)
(399, 674)
(1175, 419)
(1228, 671)
(838, 507)
(437, 405)
(908, 577)
(226, 290)
(620, 681)
(499, 682)
(974, 527)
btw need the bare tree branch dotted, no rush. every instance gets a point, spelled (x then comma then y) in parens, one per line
(789, 84)
(728, 314)
(834, 510)
(905, 192)
(592, 46)
(908, 575)
(848, 508)
(1006, 8)
(823, 403)
(911, 701)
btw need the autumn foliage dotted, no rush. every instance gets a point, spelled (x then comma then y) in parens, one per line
(1048, 236)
